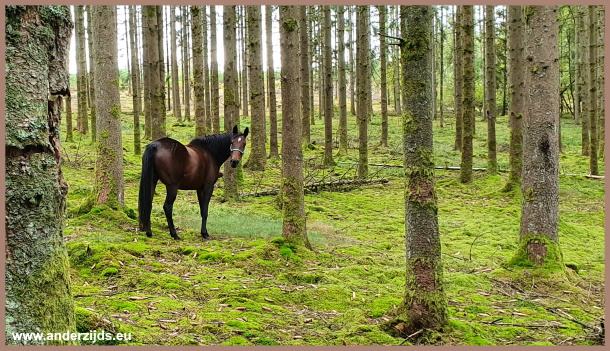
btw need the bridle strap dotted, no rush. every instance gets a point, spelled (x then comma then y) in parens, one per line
(231, 149)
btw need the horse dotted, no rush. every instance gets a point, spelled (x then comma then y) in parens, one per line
(195, 166)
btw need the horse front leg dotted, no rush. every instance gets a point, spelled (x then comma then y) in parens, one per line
(168, 208)
(204, 195)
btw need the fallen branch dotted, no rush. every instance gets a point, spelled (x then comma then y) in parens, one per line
(316, 186)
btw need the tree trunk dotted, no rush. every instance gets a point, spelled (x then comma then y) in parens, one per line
(515, 45)
(341, 81)
(539, 239)
(197, 52)
(311, 13)
(162, 74)
(206, 72)
(135, 79)
(81, 70)
(490, 89)
(37, 272)
(305, 67)
(586, 88)
(157, 99)
(215, 94)
(109, 180)
(383, 73)
(424, 304)
(245, 55)
(69, 127)
(258, 156)
(175, 85)
(146, 73)
(231, 107)
(186, 67)
(458, 72)
(352, 76)
(593, 167)
(328, 89)
(577, 66)
(294, 228)
(442, 70)
(273, 144)
(467, 44)
(362, 70)
(600, 77)
(92, 109)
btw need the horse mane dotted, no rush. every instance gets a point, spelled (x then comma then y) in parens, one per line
(217, 145)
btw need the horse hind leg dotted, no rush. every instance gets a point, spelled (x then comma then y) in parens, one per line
(168, 208)
(204, 195)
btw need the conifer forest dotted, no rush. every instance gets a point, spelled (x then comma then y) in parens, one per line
(305, 175)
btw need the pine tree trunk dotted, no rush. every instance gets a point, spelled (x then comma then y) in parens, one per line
(577, 66)
(328, 89)
(515, 45)
(215, 94)
(311, 13)
(258, 156)
(109, 181)
(490, 89)
(342, 88)
(206, 72)
(442, 69)
(162, 74)
(37, 272)
(539, 238)
(245, 54)
(424, 304)
(231, 106)
(593, 166)
(600, 77)
(467, 44)
(175, 84)
(69, 127)
(273, 143)
(135, 79)
(197, 52)
(186, 67)
(352, 76)
(362, 70)
(92, 109)
(81, 70)
(585, 87)
(157, 99)
(305, 67)
(146, 73)
(383, 73)
(458, 72)
(294, 227)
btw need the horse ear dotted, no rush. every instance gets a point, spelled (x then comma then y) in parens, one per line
(246, 131)
(235, 129)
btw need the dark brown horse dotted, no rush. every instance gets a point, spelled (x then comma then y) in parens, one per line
(192, 167)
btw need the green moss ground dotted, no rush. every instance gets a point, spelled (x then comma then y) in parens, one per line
(245, 288)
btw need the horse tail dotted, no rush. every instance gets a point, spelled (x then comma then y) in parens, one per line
(147, 180)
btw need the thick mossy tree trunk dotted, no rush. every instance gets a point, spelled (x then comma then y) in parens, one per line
(362, 70)
(458, 72)
(109, 180)
(37, 291)
(467, 48)
(424, 305)
(258, 155)
(197, 52)
(231, 106)
(328, 89)
(273, 144)
(539, 238)
(490, 89)
(294, 228)
(515, 113)
(215, 94)
(341, 82)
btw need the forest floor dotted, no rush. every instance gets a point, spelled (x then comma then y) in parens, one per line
(246, 287)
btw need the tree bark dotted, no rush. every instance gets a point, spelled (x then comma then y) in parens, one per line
(294, 227)
(258, 155)
(539, 238)
(38, 288)
(305, 73)
(424, 304)
(383, 76)
(328, 89)
(516, 71)
(467, 45)
(215, 94)
(206, 72)
(593, 166)
(109, 180)
(92, 109)
(585, 87)
(490, 89)
(81, 70)
(175, 84)
(600, 77)
(458, 72)
(135, 80)
(362, 70)
(231, 106)
(197, 52)
(186, 67)
(273, 144)
(152, 51)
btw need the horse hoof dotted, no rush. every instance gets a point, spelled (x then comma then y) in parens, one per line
(206, 236)
(149, 235)
(176, 237)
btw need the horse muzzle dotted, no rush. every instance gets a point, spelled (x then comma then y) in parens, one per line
(234, 163)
